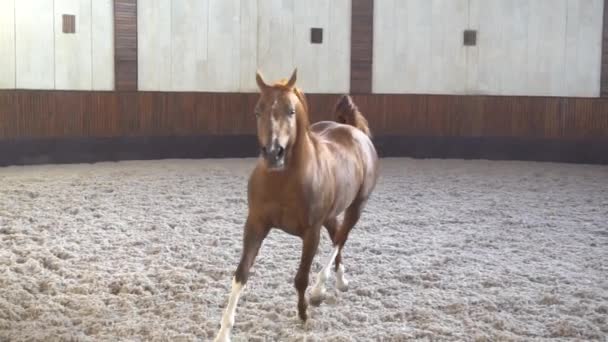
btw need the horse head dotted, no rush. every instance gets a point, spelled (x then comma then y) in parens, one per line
(282, 117)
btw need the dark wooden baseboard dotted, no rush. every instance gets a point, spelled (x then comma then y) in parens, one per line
(90, 150)
(495, 148)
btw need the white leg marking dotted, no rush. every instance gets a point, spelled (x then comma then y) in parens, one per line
(341, 282)
(228, 317)
(318, 291)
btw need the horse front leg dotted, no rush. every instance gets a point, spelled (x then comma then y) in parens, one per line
(309, 249)
(252, 240)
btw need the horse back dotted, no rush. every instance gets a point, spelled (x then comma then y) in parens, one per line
(354, 160)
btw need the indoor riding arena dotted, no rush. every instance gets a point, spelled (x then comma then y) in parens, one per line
(148, 146)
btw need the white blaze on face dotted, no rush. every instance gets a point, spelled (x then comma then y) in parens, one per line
(279, 120)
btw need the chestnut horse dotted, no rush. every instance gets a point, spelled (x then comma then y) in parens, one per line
(306, 176)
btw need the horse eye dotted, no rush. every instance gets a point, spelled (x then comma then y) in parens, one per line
(292, 112)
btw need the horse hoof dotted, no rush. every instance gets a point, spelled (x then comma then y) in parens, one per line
(316, 301)
(317, 297)
(342, 285)
(222, 337)
(303, 316)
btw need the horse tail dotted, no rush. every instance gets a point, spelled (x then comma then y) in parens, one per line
(348, 113)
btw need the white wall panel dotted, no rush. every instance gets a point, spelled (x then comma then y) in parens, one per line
(502, 46)
(546, 48)
(541, 47)
(524, 47)
(218, 45)
(102, 44)
(311, 59)
(248, 45)
(323, 68)
(221, 70)
(154, 45)
(386, 71)
(418, 46)
(7, 44)
(473, 51)
(448, 55)
(338, 39)
(189, 45)
(73, 50)
(584, 47)
(276, 38)
(35, 52)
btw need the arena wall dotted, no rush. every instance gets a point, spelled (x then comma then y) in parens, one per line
(162, 79)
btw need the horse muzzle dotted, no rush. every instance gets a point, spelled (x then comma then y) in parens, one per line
(274, 156)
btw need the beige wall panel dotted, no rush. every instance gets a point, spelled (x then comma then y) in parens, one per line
(502, 47)
(73, 50)
(540, 47)
(338, 38)
(102, 44)
(248, 46)
(323, 68)
(386, 72)
(35, 48)
(222, 68)
(584, 47)
(189, 45)
(7, 44)
(154, 45)
(218, 45)
(546, 48)
(473, 51)
(418, 46)
(276, 38)
(311, 59)
(448, 54)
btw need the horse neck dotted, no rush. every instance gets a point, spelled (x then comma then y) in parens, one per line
(303, 146)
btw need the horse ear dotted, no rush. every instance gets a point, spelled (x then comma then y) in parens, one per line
(292, 80)
(260, 81)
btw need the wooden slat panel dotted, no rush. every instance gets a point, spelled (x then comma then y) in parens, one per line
(153, 109)
(68, 114)
(7, 113)
(32, 114)
(125, 44)
(105, 112)
(599, 111)
(362, 42)
(68, 23)
(604, 72)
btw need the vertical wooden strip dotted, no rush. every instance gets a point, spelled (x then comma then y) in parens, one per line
(125, 44)
(362, 43)
(604, 72)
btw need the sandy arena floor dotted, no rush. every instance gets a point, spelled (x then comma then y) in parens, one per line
(446, 250)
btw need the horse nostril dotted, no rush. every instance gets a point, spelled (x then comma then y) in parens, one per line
(280, 151)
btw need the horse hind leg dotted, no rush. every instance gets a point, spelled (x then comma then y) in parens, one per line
(351, 217)
(317, 295)
(332, 227)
